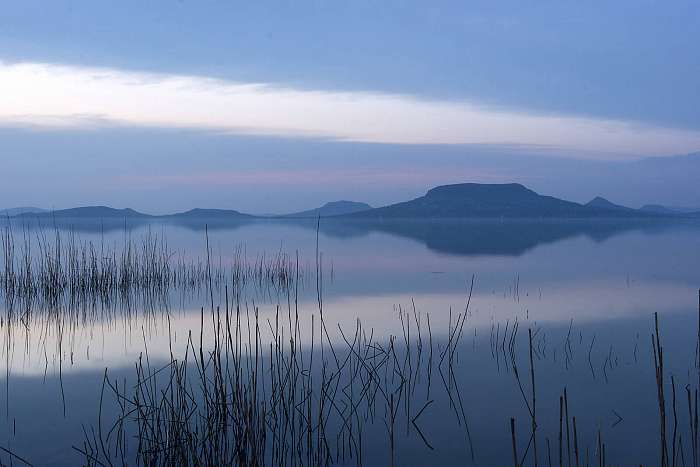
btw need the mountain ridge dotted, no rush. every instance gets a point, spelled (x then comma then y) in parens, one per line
(461, 200)
(87, 212)
(508, 200)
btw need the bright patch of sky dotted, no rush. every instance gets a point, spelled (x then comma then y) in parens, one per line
(41, 95)
(102, 101)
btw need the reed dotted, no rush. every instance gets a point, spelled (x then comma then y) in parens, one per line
(49, 270)
(265, 392)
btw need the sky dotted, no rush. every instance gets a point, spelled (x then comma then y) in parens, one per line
(270, 107)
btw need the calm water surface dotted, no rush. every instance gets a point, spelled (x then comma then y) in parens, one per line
(587, 291)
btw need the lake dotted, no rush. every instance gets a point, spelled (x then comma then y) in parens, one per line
(406, 342)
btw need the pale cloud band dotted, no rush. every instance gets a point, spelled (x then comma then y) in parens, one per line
(48, 96)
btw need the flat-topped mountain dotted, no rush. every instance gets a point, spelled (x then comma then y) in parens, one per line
(510, 200)
(334, 208)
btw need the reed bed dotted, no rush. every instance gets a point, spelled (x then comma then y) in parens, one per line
(47, 269)
(245, 403)
(239, 399)
(288, 399)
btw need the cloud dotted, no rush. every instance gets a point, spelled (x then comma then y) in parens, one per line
(47, 96)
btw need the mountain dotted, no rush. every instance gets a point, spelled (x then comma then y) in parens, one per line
(87, 212)
(21, 210)
(474, 200)
(334, 208)
(602, 203)
(199, 213)
(459, 201)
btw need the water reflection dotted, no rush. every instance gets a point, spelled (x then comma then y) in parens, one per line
(492, 237)
(451, 236)
(587, 293)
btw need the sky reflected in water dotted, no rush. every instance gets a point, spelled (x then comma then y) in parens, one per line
(599, 284)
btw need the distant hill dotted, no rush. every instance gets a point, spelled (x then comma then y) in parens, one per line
(459, 201)
(21, 210)
(87, 212)
(199, 213)
(511, 200)
(105, 212)
(334, 208)
(602, 203)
